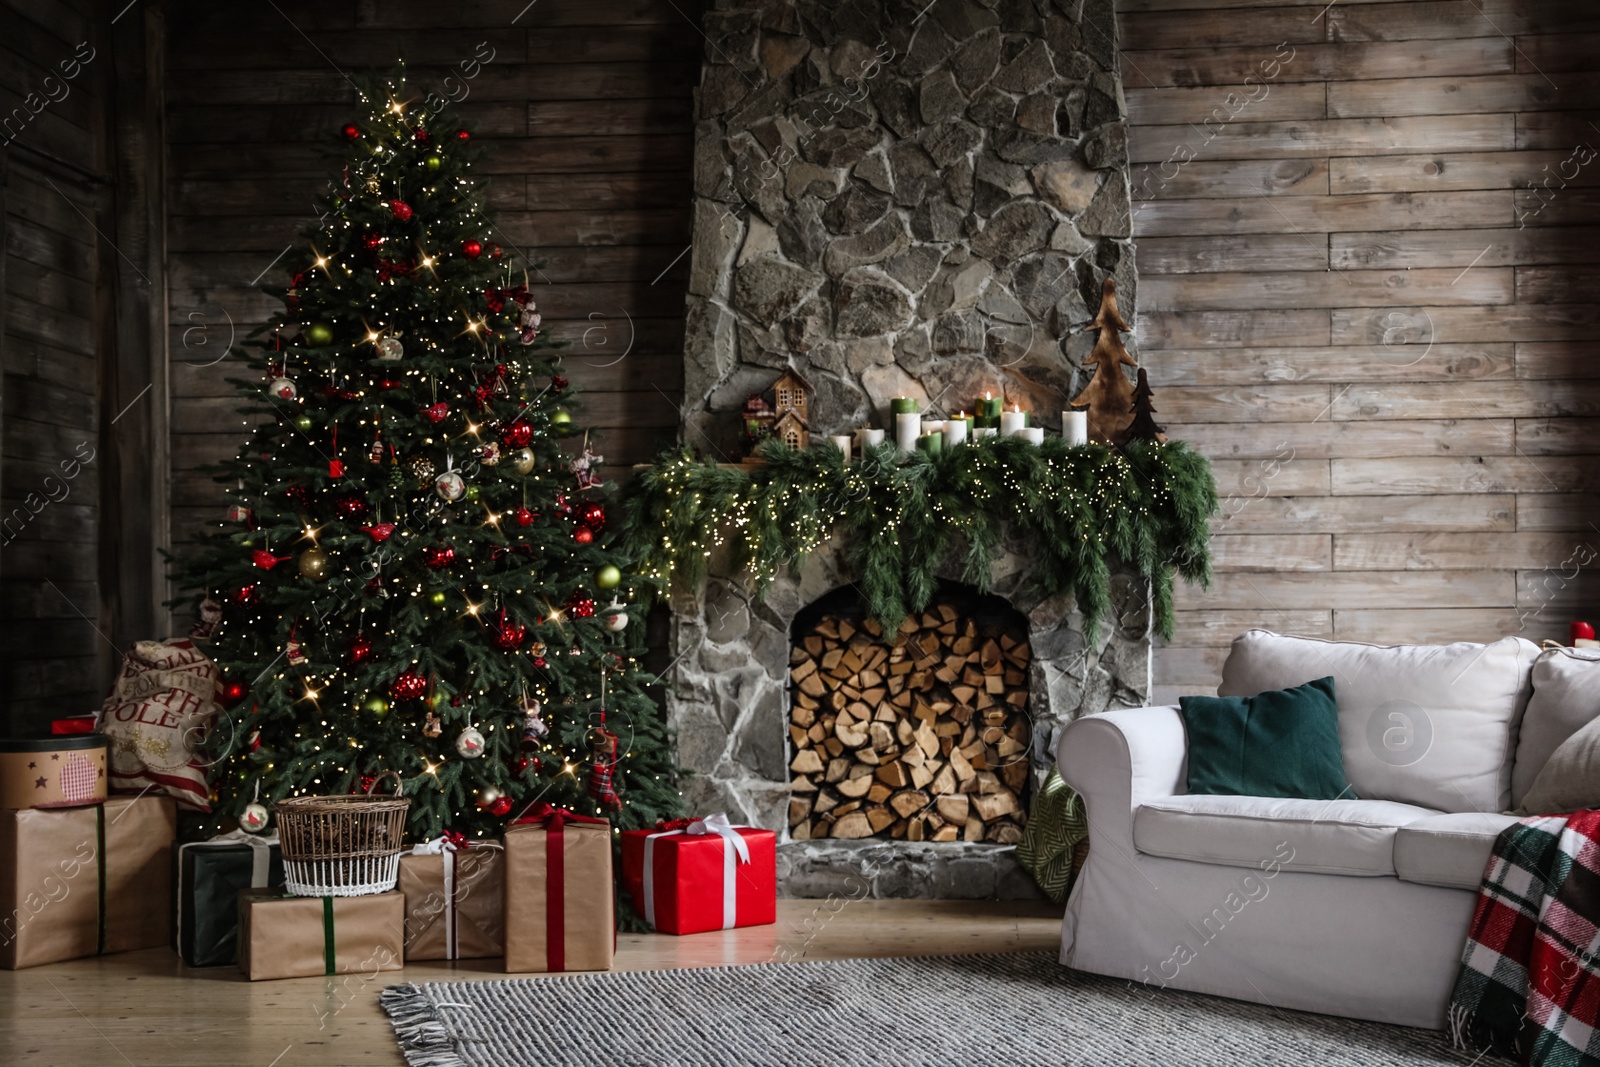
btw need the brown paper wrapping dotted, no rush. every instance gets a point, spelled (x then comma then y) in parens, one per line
(50, 878)
(281, 936)
(477, 914)
(590, 927)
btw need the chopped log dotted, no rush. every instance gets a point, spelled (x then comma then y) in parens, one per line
(798, 736)
(908, 802)
(915, 829)
(921, 776)
(806, 761)
(1015, 773)
(799, 809)
(813, 645)
(852, 826)
(945, 833)
(913, 756)
(803, 716)
(905, 731)
(994, 685)
(854, 788)
(973, 831)
(944, 781)
(988, 783)
(928, 741)
(802, 784)
(873, 627)
(1009, 746)
(881, 737)
(879, 818)
(952, 809)
(825, 803)
(852, 735)
(991, 806)
(1006, 833)
(838, 769)
(893, 774)
(845, 809)
(833, 745)
(850, 660)
(846, 630)
(801, 832)
(963, 693)
(828, 627)
(886, 713)
(868, 756)
(878, 793)
(813, 685)
(817, 733)
(874, 696)
(962, 768)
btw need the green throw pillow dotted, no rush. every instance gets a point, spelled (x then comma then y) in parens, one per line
(1279, 744)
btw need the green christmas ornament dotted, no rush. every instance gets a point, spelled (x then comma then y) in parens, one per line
(437, 598)
(561, 420)
(378, 706)
(472, 492)
(318, 334)
(608, 577)
(434, 163)
(302, 423)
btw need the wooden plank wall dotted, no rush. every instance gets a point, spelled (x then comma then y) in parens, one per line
(1367, 237)
(52, 189)
(585, 108)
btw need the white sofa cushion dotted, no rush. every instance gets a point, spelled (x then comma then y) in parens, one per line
(1566, 697)
(1324, 836)
(1430, 725)
(1450, 850)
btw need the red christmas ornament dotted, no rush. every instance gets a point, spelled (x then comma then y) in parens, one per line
(422, 135)
(539, 661)
(409, 685)
(518, 434)
(583, 535)
(266, 560)
(350, 506)
(463, 135)
(592, 514)
(360, 650)
(523, 764)
(500, 807)
(351, 131)
(508, 636)
(437, 412)
(524, 517)
(558, 383)
(391, 383)
(472, 249)
(233, 692)
(580, 605)
(372, 241)
(243, 595)
(439, 556)
(495, 252)
(379, 533)
(563, 508)
(400, 209)
(375, 586)
(1580, 631)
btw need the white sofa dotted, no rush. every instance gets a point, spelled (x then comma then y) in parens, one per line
(1354, 907)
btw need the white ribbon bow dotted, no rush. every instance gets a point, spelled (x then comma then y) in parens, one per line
(734, 852)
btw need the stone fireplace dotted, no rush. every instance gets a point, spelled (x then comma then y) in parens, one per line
(897, 200)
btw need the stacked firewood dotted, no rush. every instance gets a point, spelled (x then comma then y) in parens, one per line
(923, 737)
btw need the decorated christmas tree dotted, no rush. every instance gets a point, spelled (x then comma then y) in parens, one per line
(414, 575)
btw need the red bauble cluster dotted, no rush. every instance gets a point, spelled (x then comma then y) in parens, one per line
(408, 685)
(517, 434)
(580, 605)
(583, 535)
(350, 131)
(524, 764)
(438, 556)
(524, 517)
(472, 249)
(243, 595)
(372, 241)
(422, 135)
(558, 383)
(592, 514)
(360, 651)
(437, 413)
(351, 506)
(507, 635)
(400, 209)
(463, 135)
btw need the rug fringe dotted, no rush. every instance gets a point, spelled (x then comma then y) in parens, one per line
(424, 1040)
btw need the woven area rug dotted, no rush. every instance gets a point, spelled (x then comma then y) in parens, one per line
(951, 1011)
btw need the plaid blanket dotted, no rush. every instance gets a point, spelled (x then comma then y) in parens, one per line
(1529, 986)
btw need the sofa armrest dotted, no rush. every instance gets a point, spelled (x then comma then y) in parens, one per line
(1117, 760)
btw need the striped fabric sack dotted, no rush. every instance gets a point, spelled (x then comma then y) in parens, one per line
(1529, 986)
(157, 717)
(1056, 831)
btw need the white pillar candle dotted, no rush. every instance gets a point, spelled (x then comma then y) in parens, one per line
(980, 432)
(907, 428)
(932, 425)
(955, 432)
(866, 437)
(842, 443)
(1032, 433)
(1075, 427)
(1013, 422)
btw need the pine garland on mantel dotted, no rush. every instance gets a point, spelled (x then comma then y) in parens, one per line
(1078, 509)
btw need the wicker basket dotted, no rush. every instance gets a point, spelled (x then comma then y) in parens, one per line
(342, 846)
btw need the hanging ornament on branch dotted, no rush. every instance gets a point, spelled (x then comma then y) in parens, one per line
(603, 759)
(314, 564)
(408, 685)
(390, 349)
(470, 743)
(266, 560)
(508, 636)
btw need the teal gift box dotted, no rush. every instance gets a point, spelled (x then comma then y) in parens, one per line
(208, 876)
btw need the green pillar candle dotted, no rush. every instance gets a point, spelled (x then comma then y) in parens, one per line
(989, 408)
(903, 405)
(931, 443)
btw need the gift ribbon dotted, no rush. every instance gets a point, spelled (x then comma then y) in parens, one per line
(734, 852)
(447, 845)
(260, 862)
(554, 820)
(330, 953)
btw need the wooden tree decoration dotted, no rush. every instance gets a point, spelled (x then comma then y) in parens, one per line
(1109, 394)
(1143, 427)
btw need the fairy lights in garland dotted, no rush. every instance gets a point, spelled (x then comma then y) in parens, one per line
(1074, 511)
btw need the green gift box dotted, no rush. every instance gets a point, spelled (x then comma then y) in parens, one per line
(208, 876)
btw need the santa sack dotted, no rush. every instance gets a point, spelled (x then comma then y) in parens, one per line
(157, 717)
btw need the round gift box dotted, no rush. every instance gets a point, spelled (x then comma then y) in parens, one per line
(64, 771)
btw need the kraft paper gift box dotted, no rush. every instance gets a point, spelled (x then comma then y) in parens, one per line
(687, 877)
(283, 936)
(454, 901)
(208, 876)
(85, 881)
(559, 909)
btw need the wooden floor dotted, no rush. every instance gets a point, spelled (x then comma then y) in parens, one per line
(147, 1009)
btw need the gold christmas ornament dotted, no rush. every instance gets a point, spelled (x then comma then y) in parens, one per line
(422, 469)
(314, 564)
(522, 461)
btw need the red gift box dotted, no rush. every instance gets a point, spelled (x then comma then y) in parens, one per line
(689, 877)
(82, 724)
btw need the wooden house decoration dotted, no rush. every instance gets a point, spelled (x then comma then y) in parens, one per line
(791, 404)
